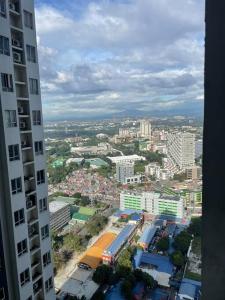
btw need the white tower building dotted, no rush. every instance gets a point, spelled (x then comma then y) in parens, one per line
(181, 149)
(145, 129)
(25, 245)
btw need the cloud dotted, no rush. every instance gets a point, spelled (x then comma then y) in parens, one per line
(116, 55)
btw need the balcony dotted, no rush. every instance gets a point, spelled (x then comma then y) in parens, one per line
(36, 275)
(34, 249)
(33, 231)
(14, 7)
(17, 44)
(31, 202)
(37, 286)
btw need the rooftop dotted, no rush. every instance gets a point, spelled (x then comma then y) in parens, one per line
(148, 234)
(55, 206)
(120, 240)
(189, 288)
(161, 263)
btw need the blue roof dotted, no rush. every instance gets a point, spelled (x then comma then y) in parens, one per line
(148, 234)
(120, 240)
(161, 263)
(135, 217)
(127, 211)
(171, 228)
(189, 287)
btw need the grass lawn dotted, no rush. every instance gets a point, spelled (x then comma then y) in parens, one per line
(193, 276)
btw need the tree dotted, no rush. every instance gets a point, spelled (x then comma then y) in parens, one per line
(73, 242)
(102, 274)
(98, 295)
(177, 258)
(195, 226)
(148, 280)
(77, 195)
(126, 289)
(163, 244)
(182, 242)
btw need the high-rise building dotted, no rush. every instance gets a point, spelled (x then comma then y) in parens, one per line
(123, 171)
(145, 129)
(25, 245)
(181, 149)
(171, 207)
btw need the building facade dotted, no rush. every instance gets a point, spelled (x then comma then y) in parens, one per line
(59, 214)
(145, 129)
(24, 216)
(171, 207)
(181, 149)
(124, 170)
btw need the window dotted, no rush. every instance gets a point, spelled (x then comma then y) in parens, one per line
(38, 146)
(44, 232)
(43, 204)
(7, 82)
(22, 247)
(36, 117)
(4, 45)
(31, 54)
(2, 294)
(24, 277)
(46, 259)
(16, 185)
(19, 217)
(40, 176)
(14, 152)
(33, 86)
(48, 284)
(28, 19)
(2, 8)
(11, 118)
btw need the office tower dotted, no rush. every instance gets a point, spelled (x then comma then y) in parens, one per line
(124, 170)
(181, 149)
(198, 148)
(145, 129)
(24, 216)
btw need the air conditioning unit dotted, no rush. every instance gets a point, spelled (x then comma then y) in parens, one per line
(23, 144)
(12, 6)
(36, 286)
(20, 110)
(16, 43)
(22, 125)
(29, 204)
(17, 57)
(31, 231)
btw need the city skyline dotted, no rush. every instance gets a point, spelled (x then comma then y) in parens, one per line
(121, 58)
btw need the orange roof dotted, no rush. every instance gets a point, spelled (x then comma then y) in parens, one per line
(93, 256)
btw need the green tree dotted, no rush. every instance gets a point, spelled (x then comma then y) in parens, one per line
(126, 289)
(195, 226)
(102, 274)
(148, 280)
(180, 177)
(182, 241)
(73, 242)
(163, 244)
(177, 258)
(98, 295)
(77, 195)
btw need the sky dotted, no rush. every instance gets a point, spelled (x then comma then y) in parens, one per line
(108, 58)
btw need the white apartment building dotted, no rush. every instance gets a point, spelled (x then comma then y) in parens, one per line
(59, 214)
(145, 129)
(181, 149)
(24, 215)
(124, 170)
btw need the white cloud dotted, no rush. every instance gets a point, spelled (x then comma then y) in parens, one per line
(117, 56)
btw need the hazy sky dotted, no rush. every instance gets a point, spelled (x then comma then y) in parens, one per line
(101, 58)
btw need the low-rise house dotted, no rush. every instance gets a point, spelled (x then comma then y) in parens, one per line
(158, 266)
(189, 290)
